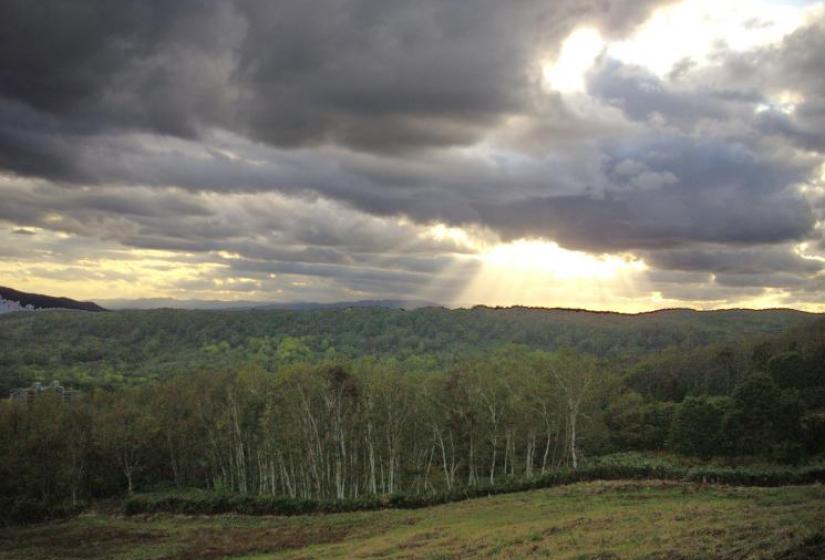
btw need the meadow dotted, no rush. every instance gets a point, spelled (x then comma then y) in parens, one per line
(592, 520)
(604, 437)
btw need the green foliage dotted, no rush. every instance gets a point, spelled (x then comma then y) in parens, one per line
(110, 349)
(243, 504)
(750, 424)
(608, 468)
(589, 520)
(638, 423)
(280, 412)
(697, 427)
(24, 511)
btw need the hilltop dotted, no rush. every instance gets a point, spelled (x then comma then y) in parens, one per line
(15, 300)
(85, 348)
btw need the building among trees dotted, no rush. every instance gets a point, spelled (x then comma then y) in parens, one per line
(37, 389)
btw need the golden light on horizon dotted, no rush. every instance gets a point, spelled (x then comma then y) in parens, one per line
(541, 273)
(526, 256)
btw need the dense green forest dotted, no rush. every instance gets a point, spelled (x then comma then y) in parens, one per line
(86, 349)
(349, 404)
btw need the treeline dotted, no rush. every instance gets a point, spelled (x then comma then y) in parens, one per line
(308, 431)
(86, 350)
(352, 430)
(794, 359)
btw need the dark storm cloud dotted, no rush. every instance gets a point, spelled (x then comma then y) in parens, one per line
(394, 76)
(737, 261)
(94, 211)
(377, 76)
(769, 280)
(713, 192)
(641, 94)
(309, 81)
(133, 63)
(795, 65)
(167, 125)
(797, 129)
(717, 175)
(641, 220)
(661, 191)
(70, 71)
(245, 236)
(663, 188)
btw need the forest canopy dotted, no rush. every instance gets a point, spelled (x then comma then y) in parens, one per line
(85, 349)
(353, 403)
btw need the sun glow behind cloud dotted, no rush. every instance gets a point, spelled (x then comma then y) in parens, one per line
(694, 29)
(578, 52)
(688, 31)
(216, 203)
(541, 257)
(540, 273)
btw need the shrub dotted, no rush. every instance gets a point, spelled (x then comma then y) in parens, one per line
(23, 511)
(623, 467)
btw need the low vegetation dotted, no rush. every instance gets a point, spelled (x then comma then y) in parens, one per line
(604, 520)
(305, 435)
(593, 437)
(87, 350)
(618, 468)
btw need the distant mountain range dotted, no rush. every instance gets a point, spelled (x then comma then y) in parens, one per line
(157, 303)
(15, 300)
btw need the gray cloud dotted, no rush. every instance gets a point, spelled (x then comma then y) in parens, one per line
(295, 136)
(795, 65)
(386, 77)
(769, 280)
(738, 261)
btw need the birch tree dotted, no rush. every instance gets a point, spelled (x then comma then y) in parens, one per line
(575, 377)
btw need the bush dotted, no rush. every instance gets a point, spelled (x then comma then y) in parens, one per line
(243, 504)
(621, 467)
(24, 511)
(697, 427)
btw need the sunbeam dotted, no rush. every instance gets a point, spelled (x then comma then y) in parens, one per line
(540, 273)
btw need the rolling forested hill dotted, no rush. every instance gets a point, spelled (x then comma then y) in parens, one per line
(30, 301)
(110, 348)
(359, 403)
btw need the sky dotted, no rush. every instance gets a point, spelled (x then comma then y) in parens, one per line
(620, 155)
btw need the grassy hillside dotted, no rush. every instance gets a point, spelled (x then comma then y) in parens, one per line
(605, 520)
(87, 348)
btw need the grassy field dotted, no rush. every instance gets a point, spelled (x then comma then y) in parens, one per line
(595, 520)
